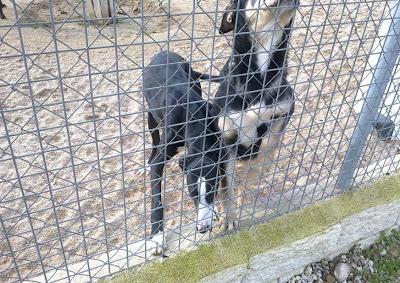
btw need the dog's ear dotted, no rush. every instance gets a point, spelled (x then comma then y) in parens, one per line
(228, 18)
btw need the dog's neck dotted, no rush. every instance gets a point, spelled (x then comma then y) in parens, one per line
(202, 132)
(265, 44)
(262, 53)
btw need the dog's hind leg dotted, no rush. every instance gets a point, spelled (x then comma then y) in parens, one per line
(273, 139)
(228, 195)
(155, 140)
(155, 135)
(157, 209)
(263, 164)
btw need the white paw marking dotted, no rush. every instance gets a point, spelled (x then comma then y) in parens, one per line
(205, 211)
(158, 244)
(144, 171)
(230, 225)
(230, 222)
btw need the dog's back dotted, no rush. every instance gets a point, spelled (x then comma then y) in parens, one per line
(169, 91)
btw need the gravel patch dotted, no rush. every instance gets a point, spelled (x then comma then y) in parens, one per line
(378, 263)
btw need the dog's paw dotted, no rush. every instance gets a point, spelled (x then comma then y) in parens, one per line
(158, 245)
(230, 226)
(230, 222)
(145, 171)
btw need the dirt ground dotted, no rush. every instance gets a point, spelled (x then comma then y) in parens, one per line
(71, 153)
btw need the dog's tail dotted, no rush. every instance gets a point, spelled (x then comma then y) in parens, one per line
(201, 76)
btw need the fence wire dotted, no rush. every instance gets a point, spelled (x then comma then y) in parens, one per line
(75, 197)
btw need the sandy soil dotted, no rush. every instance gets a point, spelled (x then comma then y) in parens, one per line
(71, 153)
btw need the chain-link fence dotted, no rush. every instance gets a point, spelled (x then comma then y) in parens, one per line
(308, 106)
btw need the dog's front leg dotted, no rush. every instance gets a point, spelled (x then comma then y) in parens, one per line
(228, 195)
(157, 208)
(155, 140)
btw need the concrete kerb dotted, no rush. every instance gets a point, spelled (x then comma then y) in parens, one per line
(279, 265)
(184, 238)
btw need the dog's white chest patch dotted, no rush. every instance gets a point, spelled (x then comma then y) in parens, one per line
(267, 32)
(267, 42)
(244, 124)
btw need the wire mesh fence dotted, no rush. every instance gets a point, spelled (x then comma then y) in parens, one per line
(76, 193)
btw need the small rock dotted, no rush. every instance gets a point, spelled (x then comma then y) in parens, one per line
(297, 278)
(383, 252)
(357, 250)
(318, 268)
(394, 250)
(370, 265)
(325, 274)
(342, 272)
(356, 258)
(357, 279)
(330, 279)
(331, 267)
(363, 262)
(308, 271)
(344, 258)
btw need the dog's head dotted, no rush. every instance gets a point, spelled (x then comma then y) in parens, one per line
(203, 166)
(203, 178)
(257, 14)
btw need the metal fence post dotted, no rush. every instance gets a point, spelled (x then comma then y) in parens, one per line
(386, 63)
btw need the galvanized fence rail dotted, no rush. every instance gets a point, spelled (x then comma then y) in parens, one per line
(75, 194)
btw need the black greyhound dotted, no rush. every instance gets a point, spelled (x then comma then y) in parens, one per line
(175, 105)
(255, 101)
(1, 10)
